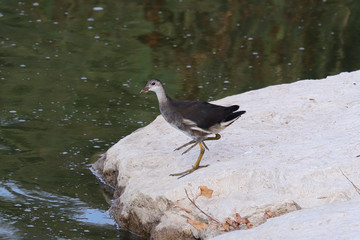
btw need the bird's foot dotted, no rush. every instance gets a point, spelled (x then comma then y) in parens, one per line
(186, 144)
(187, 172)
(191, 147)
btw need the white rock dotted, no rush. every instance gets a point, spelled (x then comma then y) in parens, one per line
(289, 147)
(335, 221)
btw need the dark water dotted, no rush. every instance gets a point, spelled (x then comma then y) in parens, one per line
(71, 71)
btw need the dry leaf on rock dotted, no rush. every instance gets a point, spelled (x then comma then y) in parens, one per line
(246, 221)
(193, 202)
(184, 209)
(205, 191)
(214, 224)
(230, 222)
(237, 218)
(249, 225)
(268, 214)
(225, 227)
(197, 224)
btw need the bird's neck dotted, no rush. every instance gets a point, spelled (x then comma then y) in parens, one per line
(162, 96)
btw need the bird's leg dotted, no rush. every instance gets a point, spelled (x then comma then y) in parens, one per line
(203, 143)
(196, 166)
(202, 151)
(217, 137)
(186, 144)
(190, 148)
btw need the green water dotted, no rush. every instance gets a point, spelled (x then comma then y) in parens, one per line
(71, 72)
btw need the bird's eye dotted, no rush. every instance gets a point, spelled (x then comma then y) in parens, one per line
(153, 83)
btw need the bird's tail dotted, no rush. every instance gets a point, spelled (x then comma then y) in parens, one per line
(233, 117)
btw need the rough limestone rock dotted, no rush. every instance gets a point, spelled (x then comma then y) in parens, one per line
(334, 221)
(279, 167)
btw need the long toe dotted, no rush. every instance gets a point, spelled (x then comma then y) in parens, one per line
(187, 172)
(186, 144)
(191, 147)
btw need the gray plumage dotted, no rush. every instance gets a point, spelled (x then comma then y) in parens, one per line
(195, 118)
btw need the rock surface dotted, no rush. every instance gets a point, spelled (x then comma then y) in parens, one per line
(279, 164)
(332, 221)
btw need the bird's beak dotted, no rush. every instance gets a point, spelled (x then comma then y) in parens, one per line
(145, 89)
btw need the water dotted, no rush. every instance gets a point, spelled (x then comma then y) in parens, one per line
(71, 72)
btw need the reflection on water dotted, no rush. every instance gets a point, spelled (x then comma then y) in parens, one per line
(71, 72)
(46, 189)
(49, 216)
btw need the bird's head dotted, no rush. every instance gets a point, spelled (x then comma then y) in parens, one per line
(152, 85)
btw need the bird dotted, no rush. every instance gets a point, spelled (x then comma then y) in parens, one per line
(197, 119)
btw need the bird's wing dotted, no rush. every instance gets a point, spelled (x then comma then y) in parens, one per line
(203, 115)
